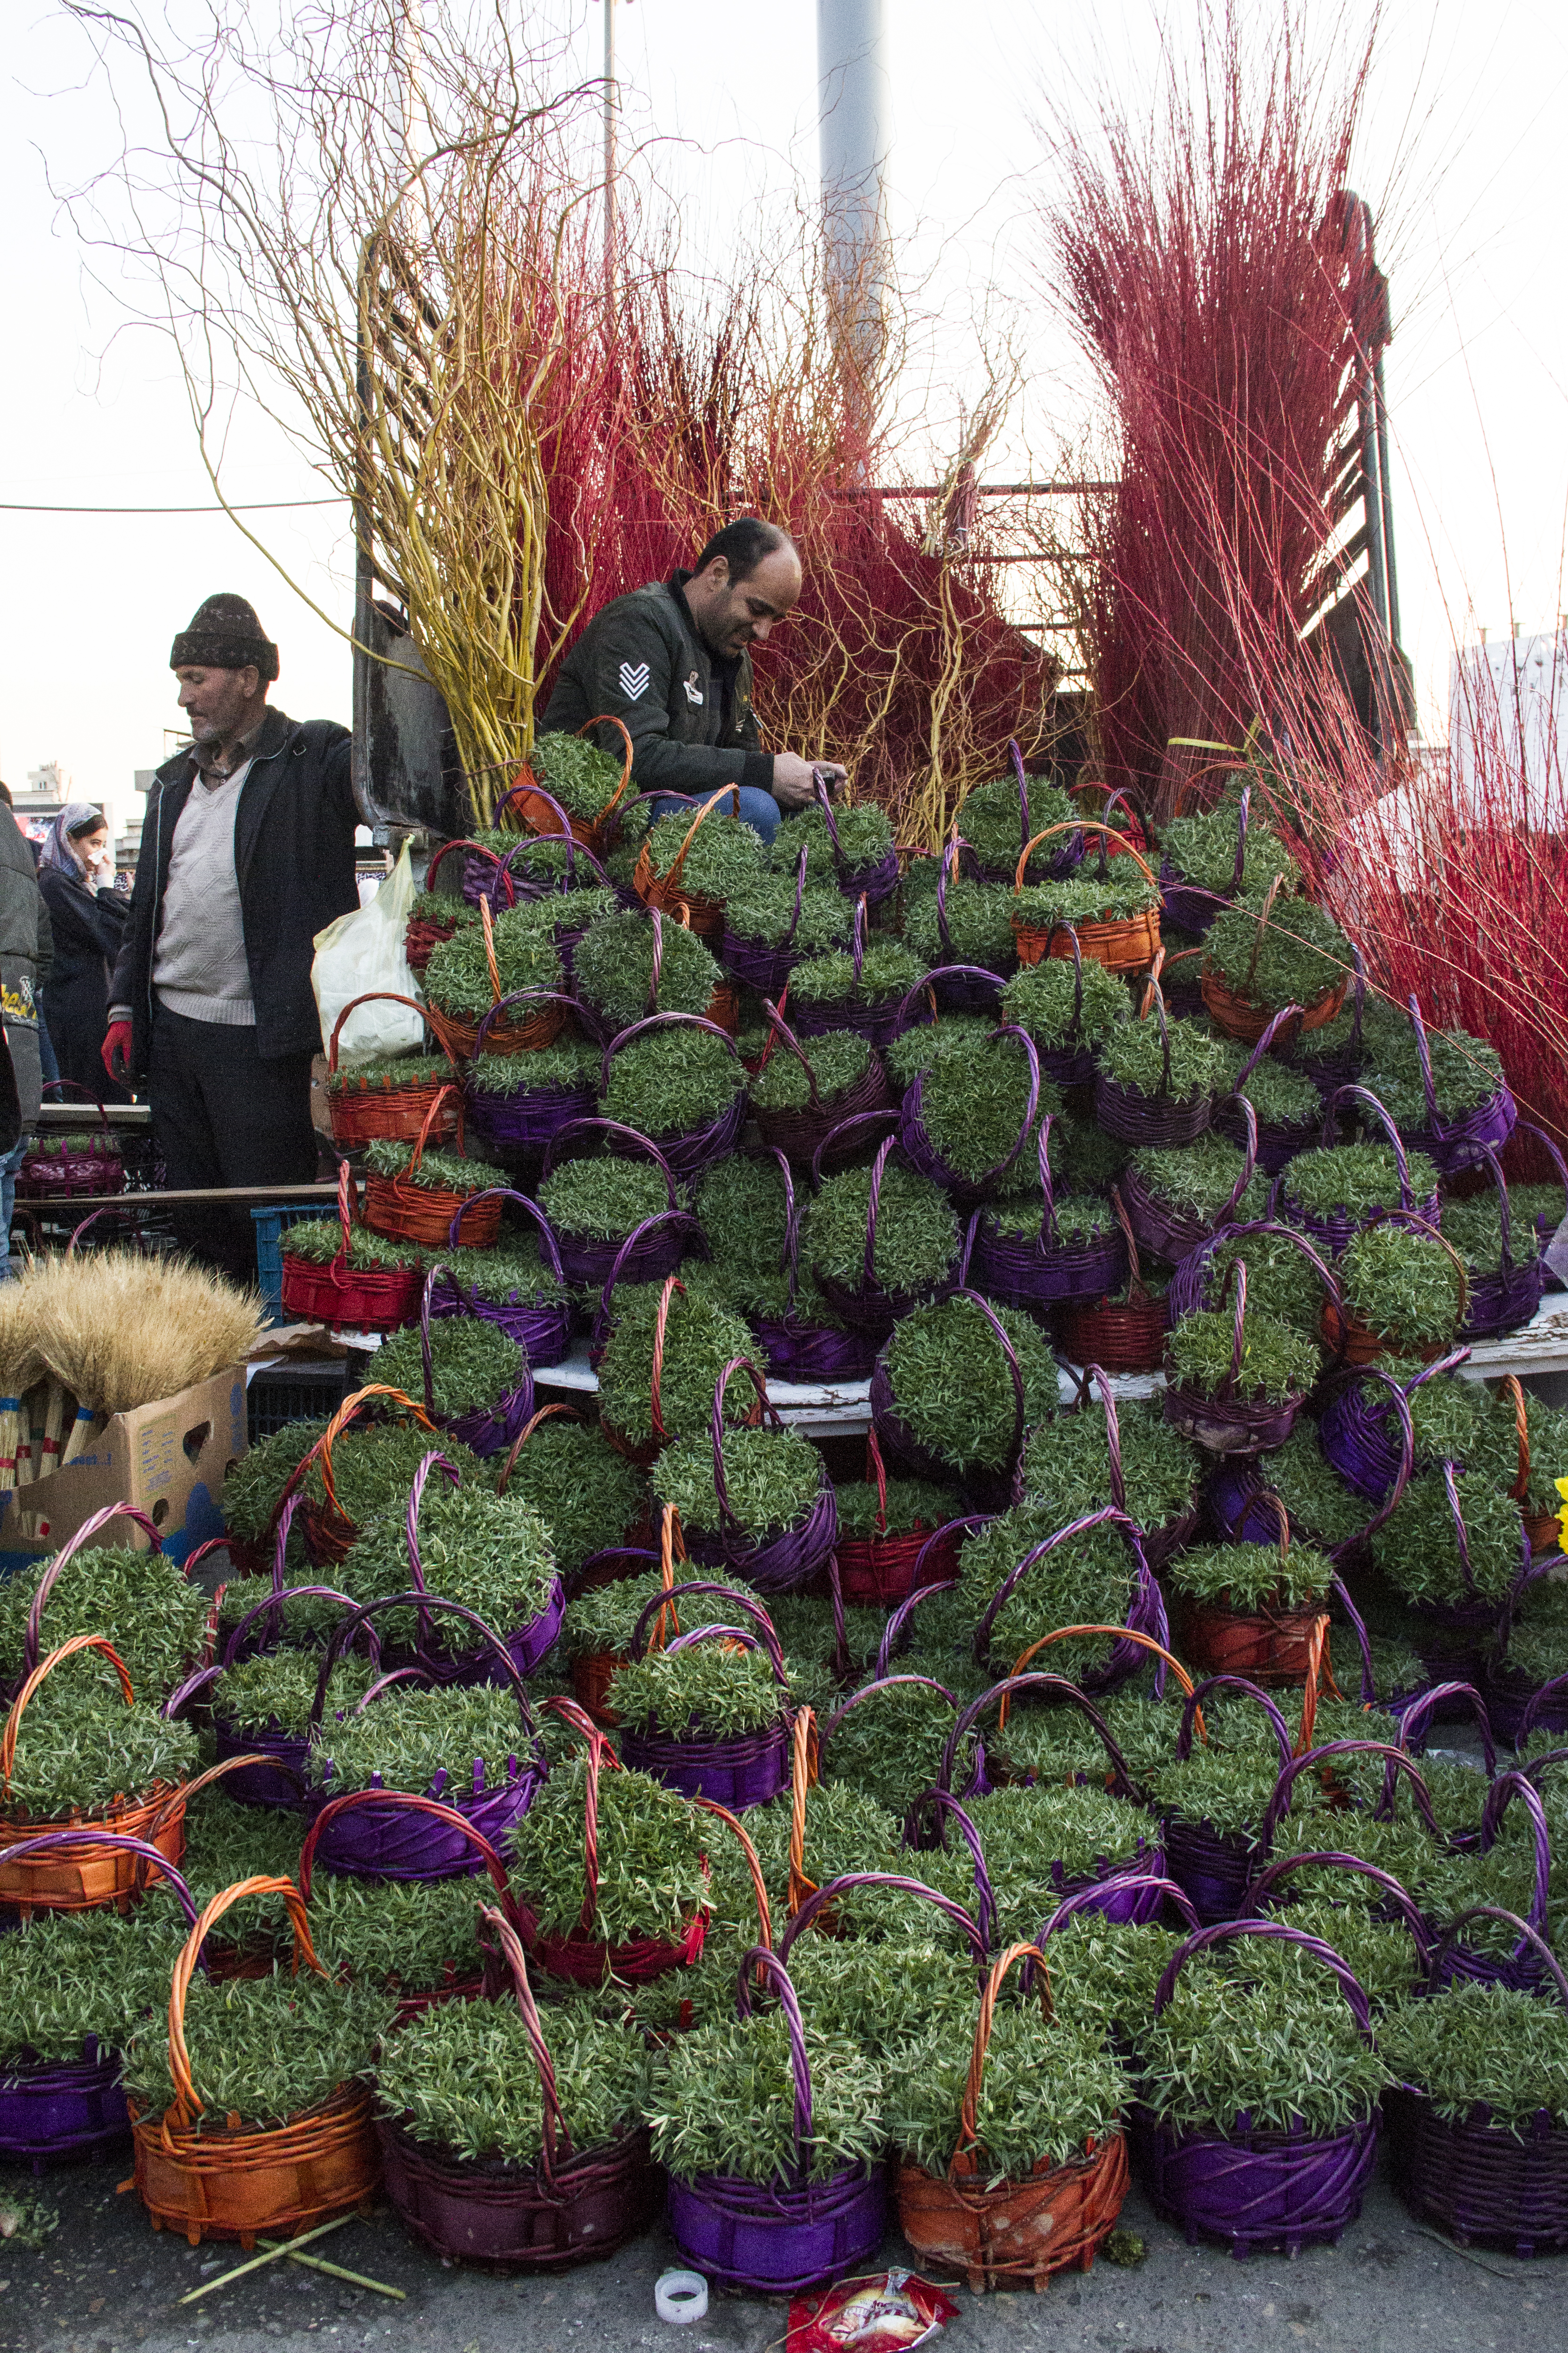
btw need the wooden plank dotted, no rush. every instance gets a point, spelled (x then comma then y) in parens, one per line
(253, 1196)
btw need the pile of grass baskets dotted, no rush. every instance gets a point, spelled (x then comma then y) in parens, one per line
(236, 2181)
(1258, 2189)
(350, 1298)
(573, 2206)
(770, 2238)
(745, 1770)
(1485, 2183)
(395, 1097)
(1011, 2234)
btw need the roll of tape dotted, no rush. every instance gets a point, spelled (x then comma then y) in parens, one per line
(680, 2297)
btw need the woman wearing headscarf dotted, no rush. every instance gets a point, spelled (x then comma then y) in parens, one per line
(76, 875)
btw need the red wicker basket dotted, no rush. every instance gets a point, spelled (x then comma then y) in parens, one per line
(1055, 2219)
(878, 1572)
(542, 814)
(705, 916)
(386, 1110)
(1127, 1339)
(1126, 944)
(370, 1299)
(407, 1212)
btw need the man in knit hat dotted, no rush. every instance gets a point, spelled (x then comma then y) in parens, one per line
(247, 851)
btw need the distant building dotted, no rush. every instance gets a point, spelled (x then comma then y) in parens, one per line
(41, 799)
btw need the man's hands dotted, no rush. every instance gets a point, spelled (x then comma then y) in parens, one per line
(794, 780)
(115, 1052)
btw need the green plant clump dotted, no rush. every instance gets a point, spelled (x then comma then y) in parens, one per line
(605, 1616)
(588, 1496)
(763, 912)
(1276, 1363)
(1092, 1161)
(1043, 999)
(1454, 1420)
(1066, 1464)
(254, 1482)
(1354, 1180)
(1088, 1580)
(273, 1691)
(1402, 1285)
(320, 1240)
(1248, 1578)
(437, 1172)
(80, 1750)
(458, 978)
(514, 1274)
(462, 2078)
(700, 1337)
(839, 1062)
(71, 1975)
(445, 907)
(1281, 1096)
(400, 1936)
(724, 2102)
(922, 1046)
(1113, 898)
(890, 1748)
(865, 837)
(888, 971)
(576, 773)
(1321, 1508)
(1133, 1054)
(490, 1553)
(1466, 1072)
(474, 1365)
(408, 1737)
(772, 1478)
(1268, 2038)
(651, 1845)
(724, 856)
(1202, 851)
(612, 967)
(374, 1465)
(602, 1200)
(974, 1108)
(979, 927)
(1417, 1549)
(1297, 957)
(952, 1387)
(1280, 1279)
(1487, 2046)
(990, 821)
(916, 1239)
(141, 1600)
(1049, 2093)
(672, 1081)
(568, 1066)
(1475, 1229)
(1197, 1180)
(740, 1205)
(711, 1692)
(915, 1507)
(262, 2049)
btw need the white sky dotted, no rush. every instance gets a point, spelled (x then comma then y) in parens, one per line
(1469, 95)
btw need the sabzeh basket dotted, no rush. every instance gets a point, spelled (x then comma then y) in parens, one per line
(1452, 1144)
(878, 1572)
(484, 1429)
(528, 1120)
(351, 1299)
(526, 1034)
(590, 1264)
(387, 1109)
(1334, 1231)
(73, 1547)
(644, 1453)
(1276, 1646)
(1216, 1868)
(408, 1212)
(1121, 943)
(57, 1172)
(527, 1645)
(798, 1134)
(1136, 1118)
(572, 2207)
(868, 1308)
(1129, 1338)
(773, 2238)
(543, 1332)
(747, 1768)
(1480, 2182)
(1226, 1423)
(797, 1348)
(1495, 1303)
(1015, 2232)
(1233, 1010)
(1043, 1270)
(1186, 905)
(1354, 1343)
(329, 1531)
(921, 1154)
(234, 2181)
(782, 1560)
(964, 988)
(667, 892)
(689, 1152)
(1256, 2190)
(541, 814)
(484, 1858)
(1145, 1613)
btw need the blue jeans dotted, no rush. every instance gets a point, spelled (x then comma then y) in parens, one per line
(758, 809)
(8, 1167)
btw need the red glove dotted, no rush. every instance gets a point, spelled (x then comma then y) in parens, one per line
(116, 1051)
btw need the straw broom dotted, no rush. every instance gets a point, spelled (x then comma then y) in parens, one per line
(120, 1331)
(20, 1365)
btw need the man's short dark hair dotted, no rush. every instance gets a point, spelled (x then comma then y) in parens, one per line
(744, 545)
(6, 796)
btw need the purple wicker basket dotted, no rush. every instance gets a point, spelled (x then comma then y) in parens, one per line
(588, 1262)
(1145, 1615)
(524, 1123)
(988, 1487)
(689, 1154)
(1343, 1064)
(1353, 1434)
(1278, 1141)
(802, 1132)
(1038, 1273)
(922, 1155)
(878, 1023)
(1336, 1233)
(965, 988)
(1502, 1302)
(1162, 1543)
(1188, 906)
(1190, 1289)
(776, 2237)
(1063, 859)
(787, 1560)
(1484, 2183)
(574, 2206)
(1135, 1118)
(1216, 1868)
(544, 1332)
(485, 1430)
(1452, 1144)
(1225, 1423)
(979, 1783)
(281, 1781)
(1257, 2191)
(383, 1837)
(1156, 1894)
(812, 1353)
(747, 1771)
(527, 1646)
(757, 965)
(869, 1308)
(1169, 1232)
(54, 2109)
(866, 885)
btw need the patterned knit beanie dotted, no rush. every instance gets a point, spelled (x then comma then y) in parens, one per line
(224, 634)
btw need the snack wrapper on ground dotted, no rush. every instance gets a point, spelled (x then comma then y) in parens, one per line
(892, 2310)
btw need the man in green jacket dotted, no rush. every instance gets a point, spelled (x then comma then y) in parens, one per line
(671, 661)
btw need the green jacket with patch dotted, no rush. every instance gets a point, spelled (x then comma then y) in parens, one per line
(643, 661)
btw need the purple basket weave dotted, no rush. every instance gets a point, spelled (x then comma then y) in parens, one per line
(391, 1840)
(1216, 1868)
(1337, 1232)
(281, 1782)
(962, 987)
(1354, 1434)
(527, 1645)
(589, 1262)
(788, 1558)
(1223, 1422)
(486, 1429)
(1040, 1273)
(524, 1123)
(757, 965)
(1257, 2191)
(1279, 1142)
(544, 1332)
(814, 1352)
(1136, 1118)
(746, 1770)
(774, 2238)
(1063, 859)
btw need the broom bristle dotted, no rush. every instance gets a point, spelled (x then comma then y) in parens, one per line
(123, 1330)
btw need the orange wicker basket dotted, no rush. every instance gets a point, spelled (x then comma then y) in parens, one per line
(1125, 943)
(328, 1528)
(528, 1033)
(705, 916)
(1233, 1010)
(1544, 1529)
(541, 814)
(1055, 2219)
(386, 1110)
(407, 1212)
(237, 2181)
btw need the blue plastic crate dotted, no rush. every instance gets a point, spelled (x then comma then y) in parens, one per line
(269, 1229)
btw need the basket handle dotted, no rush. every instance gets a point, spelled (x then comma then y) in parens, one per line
(542, 1413)
(716, 1423)
(876, 1470)
(803, 1772)
(977, 1299)
(896, 1881)
(670, 1285)
(598, 1749)
(1122, 1773)
(555, 2140)
(477, 850)
(765, 1638)
(1085, 825)
(187, 2103)
(434, 1461)
(1312, 1758)
(1530, 1939)
(405, 1801)
(1399, 1897)
(268, 1608)
(1092, 1374)
(369, 997)
(149, 1857)
(945, 1805)
(857, 1119)
(968, 1717)
(349, 1626)
(509, 1193)
(892, 1632)
(617, 1267)
(1087, 1899)
(415, 1158)
(1106, 1516)
(504, 1005)
(1158, 1649)
(1277, 1023)
(612, 1127)
(878, 1682)
(1503, 1790)
(1514, 1390)
(1004, 1030)
(67, 1649)
(1536, 1705)
(1396, 1142)
(1414, 1719)
(1224, 1931)
(967, 2114)
(768, 1967)
(947, 867)
(676, 866)
(68, 1553)
(787, 1037)
(1192, 1704)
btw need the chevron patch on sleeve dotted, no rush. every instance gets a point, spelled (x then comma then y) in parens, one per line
(634, 680)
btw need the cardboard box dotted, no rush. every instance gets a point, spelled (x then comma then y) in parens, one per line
(169, 1459)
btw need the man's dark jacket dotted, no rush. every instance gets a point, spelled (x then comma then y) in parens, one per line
(643, 660)
(294, 856)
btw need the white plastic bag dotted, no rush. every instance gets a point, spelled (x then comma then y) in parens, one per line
(362, 951)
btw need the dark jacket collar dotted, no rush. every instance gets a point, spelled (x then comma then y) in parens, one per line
(274, 733)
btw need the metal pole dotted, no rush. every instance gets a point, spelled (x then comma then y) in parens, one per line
(854, 132)
(610, 146)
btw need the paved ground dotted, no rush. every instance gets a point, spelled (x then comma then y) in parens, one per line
(106, 2284)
